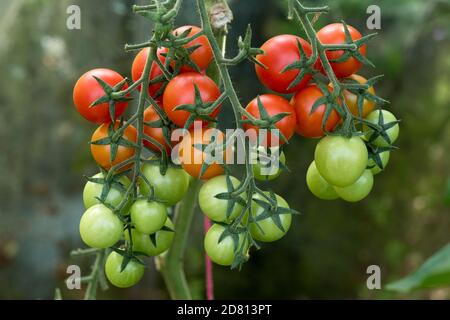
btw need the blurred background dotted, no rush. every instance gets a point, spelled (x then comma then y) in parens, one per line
(44, 153)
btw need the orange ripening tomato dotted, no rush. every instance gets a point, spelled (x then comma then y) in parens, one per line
(201, 56)
(351, 99)
(273, 105)
(155, 72)
(192, 158)
(335, 34)
(150, 115)
(279, 52)
(87, 90)
(102, 153)
(181, 90)
(310, 124)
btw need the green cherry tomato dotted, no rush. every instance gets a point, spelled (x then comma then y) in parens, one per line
(143, 243)
(222, 252)
(148, 216)
(359, 190)
(169, 188)
(267, 169)
(341, 161)
(100, 227)
(318, 185)
(384, 156)
(93, 190)
(216, 209)
(128, 277)
(267, 230)
(392, 132)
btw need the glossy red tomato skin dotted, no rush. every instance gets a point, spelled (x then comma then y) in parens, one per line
(279, 52)
(201, 56)
(335, 34)
(310, 124)
(87, 90)
(150, 115)
(180, 90)
(273, 104)
(137, 68)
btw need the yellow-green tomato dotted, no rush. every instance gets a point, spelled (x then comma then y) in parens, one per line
(148, 216)
(267, 230)
(128, 277)
(100, 227)
(93, 190)
(340, 160)
(359, 190)
(216, 209)
(384, 156)
(222, 252)
(169, 188)
(143, 243)
(318, 185)
(392, 132)
(265, 170)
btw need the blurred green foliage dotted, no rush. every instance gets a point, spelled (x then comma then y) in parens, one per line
(325, 255)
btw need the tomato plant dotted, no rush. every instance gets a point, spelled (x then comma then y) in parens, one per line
(123, 277)
(309, 121)
(273, 105)
(88, 90)
(335, 34)
(181, 91)
(280, 52)
(100, 227)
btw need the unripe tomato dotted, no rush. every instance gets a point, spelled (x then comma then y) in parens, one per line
(102, 153)
(273, 105)
(335, 34)
(87, 90)
(192, 158)
(169, 188)
(318, 185)
(148, 216)
(310, 124)
(216, 209)
(341, 161)
(392, 132)
(267, 230)
(100, 227)
(137, 68)
(222, 252)
(279, 52)
(266, 169)
(181, 91)
(358, 190)
(125, 278)
(351, 99)
(384, 156)
(143, 243)
(92, 192)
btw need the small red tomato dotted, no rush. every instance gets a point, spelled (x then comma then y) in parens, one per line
(155, 72)
(181, 91)
(150, 115)
(310, 124)
(273, 105)
(335, 34)
(279, 52)
(87, 90)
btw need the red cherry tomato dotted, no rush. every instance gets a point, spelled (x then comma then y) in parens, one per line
(87, 90)
(150, 115)
(155, 72)
(273, 104)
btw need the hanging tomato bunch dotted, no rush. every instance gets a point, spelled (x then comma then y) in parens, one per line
(150, 161)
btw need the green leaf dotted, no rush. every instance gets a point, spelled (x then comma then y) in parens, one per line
(435, 272)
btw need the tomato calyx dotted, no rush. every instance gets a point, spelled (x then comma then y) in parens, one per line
(200, 110)
(246, 51)
(352, 52)
(109, 97)
(239, 235)
(265, 121)
(128, 256)
(380, 128)
(109, 182)
(232, 196)
(375, 154)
